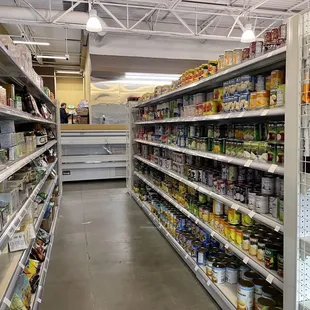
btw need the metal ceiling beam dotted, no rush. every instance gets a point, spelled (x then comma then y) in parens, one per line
(110, 14)
(34, 9)
(173, 6)
(67, 11)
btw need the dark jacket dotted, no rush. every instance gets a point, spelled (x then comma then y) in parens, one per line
(64, 116)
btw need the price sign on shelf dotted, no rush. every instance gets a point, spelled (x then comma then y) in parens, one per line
(277, 228)
(234, 206)
(251, 214)
(248, 163)
(272, 168)
(265, 112)
(246, 260)
(270, 278)
(196, 268)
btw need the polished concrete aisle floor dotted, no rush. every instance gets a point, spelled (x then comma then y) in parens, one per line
(107, 255)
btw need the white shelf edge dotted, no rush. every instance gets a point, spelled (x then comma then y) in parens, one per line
(219, 157)
(224, 199)
(253, 263)
(25, 253)
(215, 290)
(14, 166)
(219, 116)
(232, 72)
(17, 218)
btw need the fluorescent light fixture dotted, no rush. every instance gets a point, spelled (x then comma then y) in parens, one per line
(248, 35)
(31, 43)
(68, 72)
(93, 23)
(138, 82)
(66, 57)
(151, 76)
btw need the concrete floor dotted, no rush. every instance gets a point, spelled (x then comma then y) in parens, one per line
(108, 256)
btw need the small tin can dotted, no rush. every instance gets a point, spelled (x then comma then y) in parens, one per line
(268, 185)
(233, 216)
(261, 204)
(250, 275)
(246, 240)
(232, 233)
(245, 295)
(246, 220)
(239, 236)
(251, 199)
(273, 206)
(202, 254)
(261, 244)
(263, 303)
(258, 286)
(218, 273)
(232, 273)
(271, 255)
(210, 261)
(253, 244)
(280, 260)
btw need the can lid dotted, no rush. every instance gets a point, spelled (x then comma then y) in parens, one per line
(266, 301)
(245, 283)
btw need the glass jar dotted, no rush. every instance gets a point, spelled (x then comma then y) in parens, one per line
(237, 56)
(228, 58)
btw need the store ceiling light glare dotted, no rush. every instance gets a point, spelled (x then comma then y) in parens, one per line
(31, 42)
(93, 23)
(65, 57)
(248, 35)
(68, 72)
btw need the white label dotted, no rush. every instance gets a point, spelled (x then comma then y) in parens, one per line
(45, 270)
(159, 227)
(245, 260)
(39, 300)
(7, 302)
(212, 234)
(196, 268)
(196, 222)
(270, 278)
(277, 228)
(251, 214)
(227, 246)
(186, 256)
(22, 266)
(272, 168)
(230, 160)
(209, 282)
(248, 163)
(167, 234)
(241, 114)
(235, 206)
(265, 112)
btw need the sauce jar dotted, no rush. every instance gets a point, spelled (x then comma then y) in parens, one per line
(245, 54)
(221, 62)
(237, 56)
(228, 58)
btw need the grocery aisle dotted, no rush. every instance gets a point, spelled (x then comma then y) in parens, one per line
(108, 256)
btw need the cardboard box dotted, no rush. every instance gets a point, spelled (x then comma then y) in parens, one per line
(82, 111)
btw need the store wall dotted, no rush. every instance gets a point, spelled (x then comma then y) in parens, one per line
(70, 90)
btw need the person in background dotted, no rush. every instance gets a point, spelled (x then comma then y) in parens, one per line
(63, 114)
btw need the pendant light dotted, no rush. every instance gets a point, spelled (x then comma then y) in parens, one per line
(93, 23)
(248, 35)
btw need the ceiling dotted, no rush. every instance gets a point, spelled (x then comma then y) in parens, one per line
(62, 23)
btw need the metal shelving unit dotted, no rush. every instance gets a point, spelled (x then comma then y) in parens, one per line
(10, 280)
(12, 264)
(224, 294)
(259, 65)
(266, 219)
(263, 63)
(217, 117)
(270, 168)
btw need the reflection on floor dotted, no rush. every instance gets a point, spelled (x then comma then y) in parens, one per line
(108, 256)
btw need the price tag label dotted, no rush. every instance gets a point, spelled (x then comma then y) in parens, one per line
(270, 278)
(264, 113)
(277, 228)
(159, 227)
(45, 270)
(39, 300)
(186, 256)
(167, 234)
(241, 114)
(196, 268)
(248, 163)
(212, 234)
(209, 282)
(235, 206)
(21, 265)
(245, 260)
(272, 168)
(251, 214)
(227, 246)
(7, 302)
(230, 160)
(196, 222)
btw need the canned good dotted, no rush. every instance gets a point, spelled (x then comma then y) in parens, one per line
(221, 187)
(232, 233)
(210, 261)
(263, 303)
(226, 229)
(269, 291)
(218, 208)
(242, 270)
(202, 256)
(218, 273)
(245, 53)
(232, 273)
(271, 255)
(259, 47)
(237, 56)
(260, 83)
(221, 62)
(228, 58)
(239, 236)
(251, 200)
(246, 240)
(245, 295)
(274, 35)
(280, 261)
(258, 286)
(261, 204)
(281, 210)
(261, 244)
(196, 245)
(246, 220)
(277, 78)
(233, 216)
(253, 244)
(232, 173)
(267, 37)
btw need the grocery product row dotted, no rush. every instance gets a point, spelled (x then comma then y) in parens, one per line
(215, 260)
(23, 245)
(16, 64)
(270, 219)
(272, 41)
(244, 93)
(184, 198)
